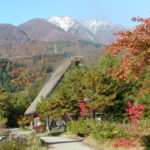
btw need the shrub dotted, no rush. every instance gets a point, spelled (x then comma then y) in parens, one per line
(34, 143)
(22, 143)
(135, 112)
(107, 130)
(96, 129)
(124, 142)
(80, 127)
(39, 128)
(12, 144)
(146, 141)
(3, 121)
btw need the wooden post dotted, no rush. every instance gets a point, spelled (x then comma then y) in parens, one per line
(50, 122)
(47, 123)
(31, 123)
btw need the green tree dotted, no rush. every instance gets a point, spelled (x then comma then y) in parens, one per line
(65, 100)
(20, 102)
(108, 61)
(102, 94)
(5, 105)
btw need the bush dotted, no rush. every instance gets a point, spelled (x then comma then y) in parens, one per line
(34, 143)
(146, 141)
(22, 143)
(125, 142)
(80, 127)
(108, 130)
(12, 144)
(3, 122)
(96, 129)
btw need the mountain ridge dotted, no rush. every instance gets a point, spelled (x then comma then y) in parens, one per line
(42, 30)
(11, 35)
(59, 28)
(96, 30)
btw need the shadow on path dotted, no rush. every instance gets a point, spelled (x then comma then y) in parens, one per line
(55, 133)
(62, 142)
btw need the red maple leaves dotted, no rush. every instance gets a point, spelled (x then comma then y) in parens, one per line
(84, 110)
(135, 113)
(124, 142)
(134, 48)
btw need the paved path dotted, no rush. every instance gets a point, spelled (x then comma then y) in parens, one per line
(64, 143)
(16, 131)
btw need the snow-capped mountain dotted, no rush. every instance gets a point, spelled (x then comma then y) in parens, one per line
(103, 31)
(95, 30)
(72, 26)
(65, 22)
(94, 25)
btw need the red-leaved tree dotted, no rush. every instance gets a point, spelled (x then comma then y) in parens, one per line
(135, 113)
(84, 110)
(134, 47)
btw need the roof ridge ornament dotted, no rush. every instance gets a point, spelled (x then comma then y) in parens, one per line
(77, 60)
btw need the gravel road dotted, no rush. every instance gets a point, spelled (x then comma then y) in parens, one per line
(64, 143)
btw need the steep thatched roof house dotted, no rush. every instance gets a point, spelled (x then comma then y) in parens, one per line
(52, 83)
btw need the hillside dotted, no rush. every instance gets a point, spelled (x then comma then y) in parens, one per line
(56, 36)
(30, 49)
(42, 30)
(11, 35)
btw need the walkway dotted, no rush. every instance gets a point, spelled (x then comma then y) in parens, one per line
(64, 143)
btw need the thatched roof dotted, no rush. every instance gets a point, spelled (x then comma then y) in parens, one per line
(54, 80)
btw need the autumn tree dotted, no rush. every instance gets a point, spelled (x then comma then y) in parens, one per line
(134, 50)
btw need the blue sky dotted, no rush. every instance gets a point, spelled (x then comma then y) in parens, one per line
(115, 11)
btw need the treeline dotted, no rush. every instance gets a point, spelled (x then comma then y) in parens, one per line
(20, 82)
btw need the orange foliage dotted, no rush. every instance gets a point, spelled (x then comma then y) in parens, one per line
(135, 47)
